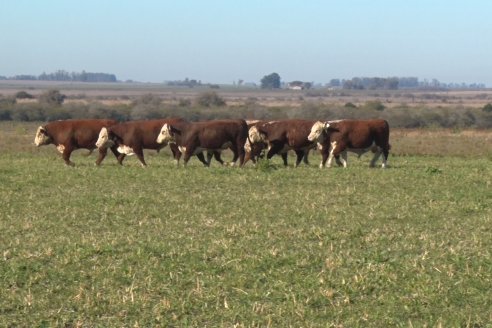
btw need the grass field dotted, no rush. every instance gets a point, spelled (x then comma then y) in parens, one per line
(222, 247)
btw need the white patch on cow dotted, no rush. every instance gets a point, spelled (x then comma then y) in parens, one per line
(334, 121)
(182, 149)
(255, 135)
(319, 146)
(103, 139)
(247, 146)
(332, 149)
(124, 149)
(41, 138)
(165, 135)
(60, 148)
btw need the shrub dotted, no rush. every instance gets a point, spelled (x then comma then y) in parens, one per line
(210, 99)
(349, 105)
(374, 105)
(487, 108)
(52, 98)
(23, 95)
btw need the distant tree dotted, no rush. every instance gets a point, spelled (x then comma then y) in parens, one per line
(271, 81)
(52, 98)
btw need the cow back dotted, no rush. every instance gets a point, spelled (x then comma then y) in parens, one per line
(78, 133)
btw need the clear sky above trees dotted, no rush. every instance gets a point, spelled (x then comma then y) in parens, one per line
(222, 41)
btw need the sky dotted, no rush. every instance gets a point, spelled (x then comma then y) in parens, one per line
(222, 41)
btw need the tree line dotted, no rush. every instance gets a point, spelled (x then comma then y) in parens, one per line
(62, 75)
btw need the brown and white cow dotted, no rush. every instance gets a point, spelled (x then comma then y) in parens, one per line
(210, 136)
(335, 138)
(254, 150)
(131, 138)
(69, 135)
(282, 136)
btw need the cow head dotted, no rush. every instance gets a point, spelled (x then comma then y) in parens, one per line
(317, 130)
(104, 140)
(167, 134)
(42, 137)
(255, 136)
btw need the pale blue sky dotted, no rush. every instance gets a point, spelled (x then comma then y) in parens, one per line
(222, 41)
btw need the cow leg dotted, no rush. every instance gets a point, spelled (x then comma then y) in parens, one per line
(67, 151)
(385, 156)
(274, 149)
(333, 147)
(338, 161)
(210, 154)
(203, 160)
(240, 152)
(324, 156)
(285, 157)
(305, 159)
(140, 155)
(218, 158)
(344, 158)
(102, 155)
(247, 157)
(120, 158)
(376, 156)
(189, 152)
(116, 154)
(176, 153)
(300, 155)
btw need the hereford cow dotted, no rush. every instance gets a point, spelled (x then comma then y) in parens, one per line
(254, 151)
(69, 135)
(359, 136)
(282, 136)
(210, 136)
(132, 137)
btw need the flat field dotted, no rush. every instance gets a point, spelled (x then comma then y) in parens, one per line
(163, 246)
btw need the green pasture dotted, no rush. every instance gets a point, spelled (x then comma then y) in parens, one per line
(109, 246)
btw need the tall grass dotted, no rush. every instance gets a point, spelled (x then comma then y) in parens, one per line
(221, 247)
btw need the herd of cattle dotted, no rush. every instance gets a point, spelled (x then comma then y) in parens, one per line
(247, 139)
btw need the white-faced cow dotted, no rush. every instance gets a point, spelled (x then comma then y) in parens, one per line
(335, 138)
(132, 137)
(282, 136)
(254, 150)
(69, 135)
(210, 136)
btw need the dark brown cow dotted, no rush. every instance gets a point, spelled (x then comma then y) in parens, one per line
(335, 138)
(134, 136)
(69, 135)
(282, 136)
(254, 151)
(210, 136)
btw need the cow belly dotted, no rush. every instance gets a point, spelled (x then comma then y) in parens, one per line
(124, 149)
(360, 151)
(201, 149)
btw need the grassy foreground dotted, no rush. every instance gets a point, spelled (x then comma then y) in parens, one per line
(223, 247)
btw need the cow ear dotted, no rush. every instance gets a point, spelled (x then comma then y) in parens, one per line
(42, 130)
(326, 125)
